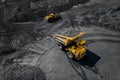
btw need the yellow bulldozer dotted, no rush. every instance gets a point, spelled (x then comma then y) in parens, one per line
(53, 17)
(75, 48)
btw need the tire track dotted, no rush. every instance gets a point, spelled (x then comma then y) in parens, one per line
(76, 66)
(45, 53)
(102, 40)
(38, 47)
(95, 34)
(94, 69)
(42, 57)
(100, 34)
(37, 51)
(82, 75)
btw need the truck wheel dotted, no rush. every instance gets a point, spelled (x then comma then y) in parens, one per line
(61, 46)
(59, 17)
(70, 55)
(48, 21)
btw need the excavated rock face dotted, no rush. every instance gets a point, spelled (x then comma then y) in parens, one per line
(35, 10)
(103, 16)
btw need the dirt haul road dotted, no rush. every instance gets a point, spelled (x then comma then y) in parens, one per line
(102, 61)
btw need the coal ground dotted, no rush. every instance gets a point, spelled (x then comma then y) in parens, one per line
(102, 59)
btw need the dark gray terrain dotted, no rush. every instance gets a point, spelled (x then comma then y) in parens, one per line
(39, 49)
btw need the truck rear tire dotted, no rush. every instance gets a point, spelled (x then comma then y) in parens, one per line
(61, 46)
(70, 55)
(59, 17)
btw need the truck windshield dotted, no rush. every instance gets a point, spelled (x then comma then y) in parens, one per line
(83, 45)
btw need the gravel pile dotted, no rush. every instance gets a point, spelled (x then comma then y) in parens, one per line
(18, 72)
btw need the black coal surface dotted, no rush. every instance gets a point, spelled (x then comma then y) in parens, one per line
(18, 72)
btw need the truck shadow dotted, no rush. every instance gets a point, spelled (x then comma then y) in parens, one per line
(89, 62)
(90, 59)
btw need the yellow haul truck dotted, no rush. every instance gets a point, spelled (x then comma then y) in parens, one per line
(76, 49)
(53, 17)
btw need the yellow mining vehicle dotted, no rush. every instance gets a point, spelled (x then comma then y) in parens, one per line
(75, 48)
(53, 17)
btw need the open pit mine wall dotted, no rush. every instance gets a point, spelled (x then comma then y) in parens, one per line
(35, 10)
